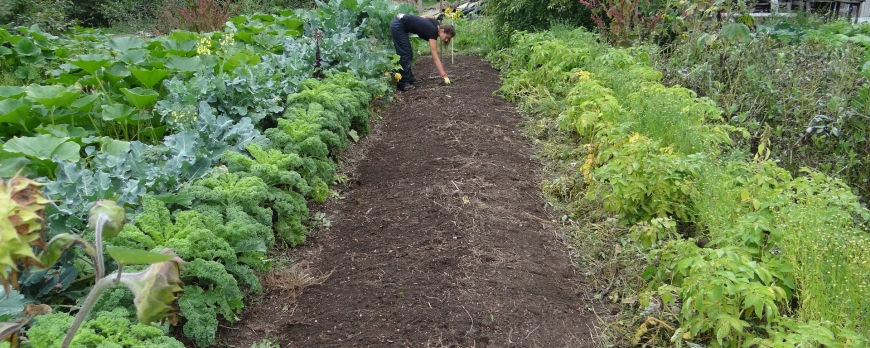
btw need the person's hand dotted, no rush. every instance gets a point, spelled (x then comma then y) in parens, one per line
(446, 80)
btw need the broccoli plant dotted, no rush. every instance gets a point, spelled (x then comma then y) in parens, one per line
(155, 289)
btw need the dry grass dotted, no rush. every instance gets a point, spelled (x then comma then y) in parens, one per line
(293, 279)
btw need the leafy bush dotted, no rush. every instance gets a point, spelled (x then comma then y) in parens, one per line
(624, 21)
(642, 180)
(126, 15)
(50, 15)
(739, 251)
(806, 91)
(195, 15)
(534, 15)
(474, 36)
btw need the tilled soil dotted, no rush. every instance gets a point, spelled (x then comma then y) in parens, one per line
(441, 237)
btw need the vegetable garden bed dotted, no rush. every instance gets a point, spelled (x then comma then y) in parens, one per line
(212, 143)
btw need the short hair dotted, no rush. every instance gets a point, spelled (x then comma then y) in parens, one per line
(449, 29)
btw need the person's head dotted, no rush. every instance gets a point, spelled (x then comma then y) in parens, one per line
(446, 32)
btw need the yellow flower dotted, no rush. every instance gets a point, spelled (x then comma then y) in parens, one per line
(452, 14)
(203, 46)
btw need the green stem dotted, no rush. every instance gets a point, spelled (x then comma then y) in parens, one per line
(103, 88)
(98, 241)
(99, 288)
(94, 122)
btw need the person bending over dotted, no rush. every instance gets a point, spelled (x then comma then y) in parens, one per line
(427, 28)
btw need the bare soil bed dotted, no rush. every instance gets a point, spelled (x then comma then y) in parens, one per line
(441, 237)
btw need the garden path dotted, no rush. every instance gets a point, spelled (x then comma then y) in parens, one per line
(441, 237)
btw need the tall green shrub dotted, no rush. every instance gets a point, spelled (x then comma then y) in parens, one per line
(807, 92)
(134, 14)
(534, 15)
(50, 15)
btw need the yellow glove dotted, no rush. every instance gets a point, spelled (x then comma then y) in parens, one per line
(446, 80)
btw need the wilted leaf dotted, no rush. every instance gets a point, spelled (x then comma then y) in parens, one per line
(11, 328)
(60, 243)
(157, 290)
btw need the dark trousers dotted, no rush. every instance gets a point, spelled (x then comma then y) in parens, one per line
(403, 49)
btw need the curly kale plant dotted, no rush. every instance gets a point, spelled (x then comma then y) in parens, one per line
(211, 274)
(237, 209)
(344, 98)
(104, 329)
(286, 198)
(216, 292)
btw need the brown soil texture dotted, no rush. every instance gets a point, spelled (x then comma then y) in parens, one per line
(440, 237)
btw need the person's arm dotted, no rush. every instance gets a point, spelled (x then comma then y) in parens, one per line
(433, 48)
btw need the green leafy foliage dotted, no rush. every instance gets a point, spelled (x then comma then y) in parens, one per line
(723, 290)
(535, 15)
(107, 328)
(141, 118)
(212, 260)
(51, 16)
(237, 209)
(740, 252)
(275, 169)
(802, 85)
(216, 292)
(643, 180)
(186, 234)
